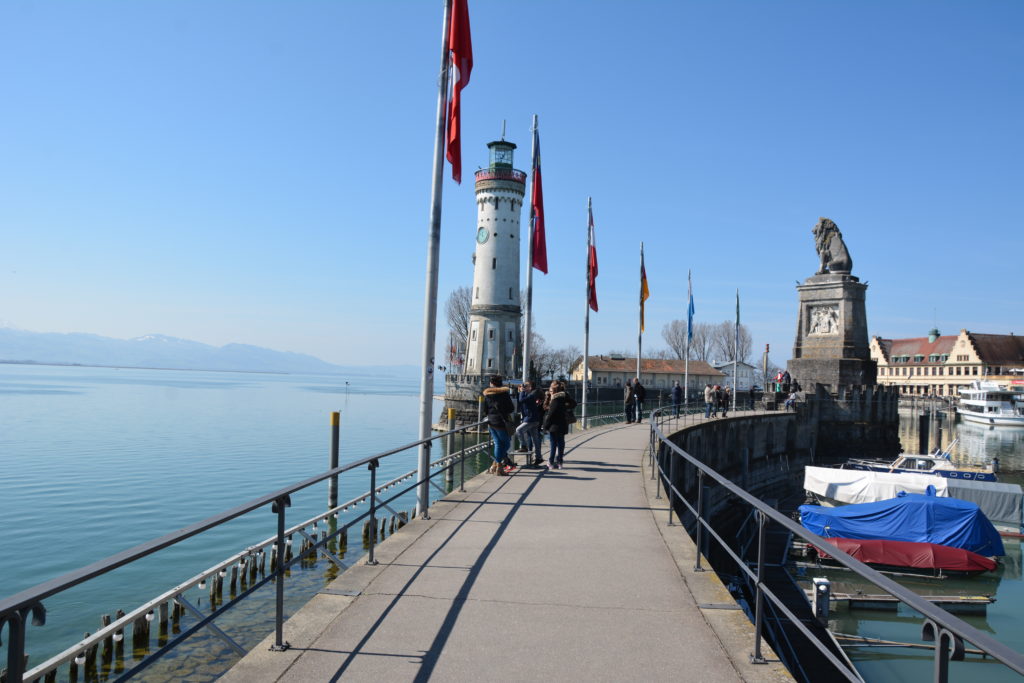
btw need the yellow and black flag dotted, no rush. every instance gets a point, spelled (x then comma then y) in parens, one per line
(645, 292)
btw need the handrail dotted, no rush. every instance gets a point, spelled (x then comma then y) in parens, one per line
(939, 625)
(15, 609)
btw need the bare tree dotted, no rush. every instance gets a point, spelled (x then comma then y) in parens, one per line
(660, 354)
(542, 358)
(674, 334)
(565, 358)
(456, 310)
(723, 342)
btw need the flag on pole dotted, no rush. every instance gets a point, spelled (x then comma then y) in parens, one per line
(539, 247)
(690, 310)
(591, 259)
(645, 293)
(460, 47)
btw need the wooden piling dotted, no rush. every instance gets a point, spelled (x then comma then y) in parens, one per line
(343, 542)
(108, 642)
(90, 656)
(234, 580)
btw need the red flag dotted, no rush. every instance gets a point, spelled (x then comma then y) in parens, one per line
(461, 47)
(539, 247)
(591, 261)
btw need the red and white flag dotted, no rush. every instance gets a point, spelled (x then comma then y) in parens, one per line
(591, 260)
(460, 47)
(539, 248)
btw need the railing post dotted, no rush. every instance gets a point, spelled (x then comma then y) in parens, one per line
(278, 507)
(757, 657)
(671, 483)
(948, 646)
(449, 474)
(15, 645)
(700, 519)
(373, 509)
(462, 462)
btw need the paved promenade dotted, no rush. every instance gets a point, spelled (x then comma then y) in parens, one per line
(562, 575)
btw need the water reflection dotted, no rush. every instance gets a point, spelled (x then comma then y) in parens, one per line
(980, 443)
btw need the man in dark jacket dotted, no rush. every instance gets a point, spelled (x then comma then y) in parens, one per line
(498, 408)
(629, 402)
(528, 433)
(640, 394)
(677, 398)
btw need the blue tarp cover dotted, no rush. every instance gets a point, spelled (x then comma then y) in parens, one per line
(908, 517)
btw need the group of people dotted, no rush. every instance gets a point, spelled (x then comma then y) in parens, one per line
(716, 398)
(548, 412)
(633, 398)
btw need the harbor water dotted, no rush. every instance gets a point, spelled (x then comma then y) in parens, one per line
(96, 460)
(1002, 619)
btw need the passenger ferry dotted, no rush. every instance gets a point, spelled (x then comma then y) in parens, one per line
(989, 403)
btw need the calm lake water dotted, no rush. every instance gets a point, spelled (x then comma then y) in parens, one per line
(97, 460)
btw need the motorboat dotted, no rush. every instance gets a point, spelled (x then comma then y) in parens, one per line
(925, 558)
(938, 463)
(1002, 503)
(989, 403)
(912, 517)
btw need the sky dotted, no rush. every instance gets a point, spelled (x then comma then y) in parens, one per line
(259, 171)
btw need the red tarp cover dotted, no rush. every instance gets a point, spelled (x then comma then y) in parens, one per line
(911, 554)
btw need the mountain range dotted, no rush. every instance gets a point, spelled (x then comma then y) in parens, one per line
(161, 351)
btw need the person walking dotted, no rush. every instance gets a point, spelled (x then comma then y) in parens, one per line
(498, 408)
(556, 423)
(629, 401)
(677, 398)
(726, 401)
(709, 400)
(528, 433)
(639, 394)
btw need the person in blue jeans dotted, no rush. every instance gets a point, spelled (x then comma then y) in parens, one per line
(498, 408)
(709, 400)
(556, 424)
(531, 399)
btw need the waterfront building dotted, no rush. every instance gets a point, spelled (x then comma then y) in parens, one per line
(656, 373)
(747, 374)
(940, 364)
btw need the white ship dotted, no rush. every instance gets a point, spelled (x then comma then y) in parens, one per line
(989, 403)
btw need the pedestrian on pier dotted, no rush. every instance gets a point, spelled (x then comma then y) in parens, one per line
(639, 394)
(499, 409)
(724, 396)
(709, 400)
(557, 404)
(629, 401)
(677, 398)
(530, 407)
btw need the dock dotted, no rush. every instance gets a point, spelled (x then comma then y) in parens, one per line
(956, 604)
(568, 575)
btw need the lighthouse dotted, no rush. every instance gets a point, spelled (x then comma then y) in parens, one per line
(493, 340)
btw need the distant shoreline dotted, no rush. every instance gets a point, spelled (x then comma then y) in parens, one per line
(146, 367)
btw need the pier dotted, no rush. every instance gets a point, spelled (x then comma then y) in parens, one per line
(570, 574)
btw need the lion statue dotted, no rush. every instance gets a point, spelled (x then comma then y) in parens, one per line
(831, 248)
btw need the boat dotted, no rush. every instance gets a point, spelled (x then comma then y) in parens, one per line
(912, 517)
(986, 402)
(1002, 503)
(938, 463)
(927, 558)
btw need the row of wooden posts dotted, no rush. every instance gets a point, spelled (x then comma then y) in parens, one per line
(106, 657)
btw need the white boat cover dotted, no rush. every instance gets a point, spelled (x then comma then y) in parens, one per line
(1001, 503)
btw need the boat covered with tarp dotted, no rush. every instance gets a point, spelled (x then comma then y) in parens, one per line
(884, 553)
(908, 517)
(1002, 503)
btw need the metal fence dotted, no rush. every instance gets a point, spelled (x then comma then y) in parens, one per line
(947, 631)
(317, 536)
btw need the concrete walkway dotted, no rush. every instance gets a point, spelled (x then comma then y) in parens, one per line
(561, 575)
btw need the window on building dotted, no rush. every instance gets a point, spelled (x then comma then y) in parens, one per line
(918, 358)
(470, 363)
(510, 294)
(477, 294)
(490, 362)
(494, 263)
(474, 334)
(490, 334)
(974, 370)
(510, 335)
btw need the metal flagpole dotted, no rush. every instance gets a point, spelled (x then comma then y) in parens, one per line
(586, 317)
(430, 299)
(529, 263)
(736, 354)
(640, 320)
(689, 323)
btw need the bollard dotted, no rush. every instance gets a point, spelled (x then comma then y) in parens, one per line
(822, 596)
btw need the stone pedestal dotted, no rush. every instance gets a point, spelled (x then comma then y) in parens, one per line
(831, 347)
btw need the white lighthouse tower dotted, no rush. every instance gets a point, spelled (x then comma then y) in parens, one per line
(493, 339)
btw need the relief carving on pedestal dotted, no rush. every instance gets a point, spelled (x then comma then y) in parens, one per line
(823, 320)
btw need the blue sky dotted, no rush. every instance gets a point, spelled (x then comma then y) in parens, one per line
(259, 172)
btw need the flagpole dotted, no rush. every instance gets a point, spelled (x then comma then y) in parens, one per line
(736, 354)
(529, 264)
(430, 299)
(689, 333)
(586, 319)
(640, 321)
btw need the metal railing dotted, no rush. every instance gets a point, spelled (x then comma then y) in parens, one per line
(947, 631)
(15, 611)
